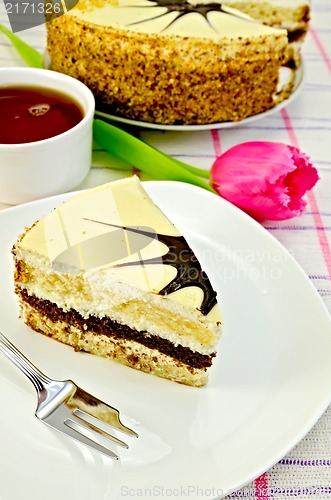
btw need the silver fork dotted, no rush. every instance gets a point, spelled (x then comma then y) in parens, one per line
(69, 409)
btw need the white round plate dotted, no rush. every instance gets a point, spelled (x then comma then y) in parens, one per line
(269, 383)
(298, 84)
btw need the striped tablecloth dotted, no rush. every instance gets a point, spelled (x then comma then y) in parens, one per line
(306, 123)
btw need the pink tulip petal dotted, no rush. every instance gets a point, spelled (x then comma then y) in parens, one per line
(267, 180)
(303, 178)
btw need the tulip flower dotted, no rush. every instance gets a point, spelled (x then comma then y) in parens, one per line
(267, 180)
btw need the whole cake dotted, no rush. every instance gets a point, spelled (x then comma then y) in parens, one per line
(171, 61)
(107, 273)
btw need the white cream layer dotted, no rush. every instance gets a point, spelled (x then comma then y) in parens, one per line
(102, 295)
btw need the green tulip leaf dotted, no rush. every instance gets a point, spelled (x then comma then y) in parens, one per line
(30, 55)
(144, 157)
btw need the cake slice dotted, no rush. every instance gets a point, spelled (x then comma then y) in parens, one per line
(106, 272)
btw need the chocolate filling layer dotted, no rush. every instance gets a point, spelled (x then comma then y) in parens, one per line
(114, 330)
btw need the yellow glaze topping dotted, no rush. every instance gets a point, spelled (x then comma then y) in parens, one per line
(116, 228)
(205, 19)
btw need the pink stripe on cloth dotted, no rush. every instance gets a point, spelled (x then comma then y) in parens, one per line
(320, 229)
(321, 48)
(261, 487)
(321, 232)
(216, 142)
(289, 128)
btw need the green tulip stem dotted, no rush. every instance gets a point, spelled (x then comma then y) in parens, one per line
(194, 170)
(143, 156)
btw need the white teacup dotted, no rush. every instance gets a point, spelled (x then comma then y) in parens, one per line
(51, 166)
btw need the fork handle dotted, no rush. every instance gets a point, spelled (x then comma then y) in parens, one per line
(32, 372)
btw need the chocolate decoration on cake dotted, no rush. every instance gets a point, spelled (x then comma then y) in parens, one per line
(180, 256)
(183, 7)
